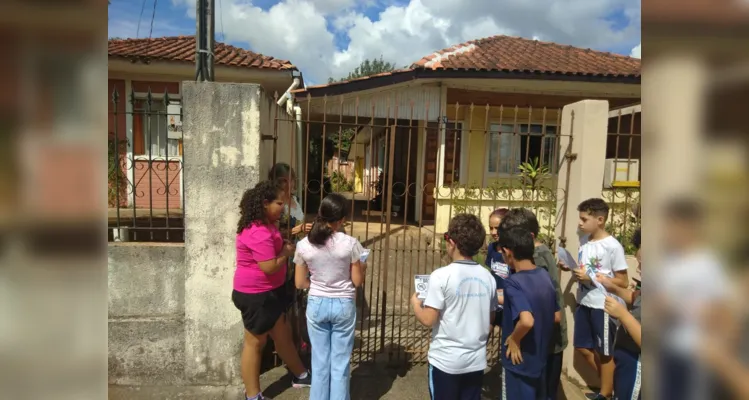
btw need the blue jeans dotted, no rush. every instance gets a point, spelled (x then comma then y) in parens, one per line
(331, 322)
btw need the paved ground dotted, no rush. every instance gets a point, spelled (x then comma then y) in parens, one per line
(375, 383)
(368, 383)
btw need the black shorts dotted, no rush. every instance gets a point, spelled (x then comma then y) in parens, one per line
(260, 311)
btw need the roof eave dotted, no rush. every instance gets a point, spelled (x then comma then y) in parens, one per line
(424, 73)
(148, 60)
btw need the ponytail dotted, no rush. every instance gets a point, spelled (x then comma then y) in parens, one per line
(332, 210)
(320, 232)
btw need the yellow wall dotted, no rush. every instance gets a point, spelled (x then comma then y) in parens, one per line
(476, 121)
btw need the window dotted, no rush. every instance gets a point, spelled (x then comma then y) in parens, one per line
(156, 130)
(506, 150)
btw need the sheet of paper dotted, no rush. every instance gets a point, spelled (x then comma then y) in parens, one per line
(592, 276)
(422, 284)
(566, 258)
(364, 255)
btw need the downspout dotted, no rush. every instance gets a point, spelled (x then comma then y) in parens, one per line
(301, 168)
(287, 93)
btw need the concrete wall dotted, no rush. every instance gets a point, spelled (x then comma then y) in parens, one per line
(171, 319)
(146, 313)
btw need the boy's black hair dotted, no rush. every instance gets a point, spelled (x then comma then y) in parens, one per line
(252, 205)
(518, 240)
(685, 209)
(468, 233)
(519, 218)
(595, 207)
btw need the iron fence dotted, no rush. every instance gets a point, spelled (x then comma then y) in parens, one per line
(145, 167)
(413, 169)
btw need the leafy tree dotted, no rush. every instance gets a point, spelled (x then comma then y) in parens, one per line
(366, 68)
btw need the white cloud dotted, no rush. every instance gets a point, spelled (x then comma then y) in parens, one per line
(636, 51)
(404, 32)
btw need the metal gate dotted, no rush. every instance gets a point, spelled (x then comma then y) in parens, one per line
(407, 173)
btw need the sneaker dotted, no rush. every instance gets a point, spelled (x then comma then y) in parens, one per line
(260, 397)
(303, 382)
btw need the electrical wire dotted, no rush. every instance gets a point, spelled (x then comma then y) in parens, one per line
(221, 20)
(142, 8)
(153, 17)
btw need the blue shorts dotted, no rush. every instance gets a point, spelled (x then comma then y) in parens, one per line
(594, 329)
(444, 386)
(521, 387)
(627, 375)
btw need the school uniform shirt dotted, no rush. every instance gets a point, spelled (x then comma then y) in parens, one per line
(530, 291)
(604, 256)
(465, 293)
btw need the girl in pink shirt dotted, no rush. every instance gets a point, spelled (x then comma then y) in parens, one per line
(259, 292)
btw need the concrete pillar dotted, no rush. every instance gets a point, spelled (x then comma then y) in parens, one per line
(584, 132)
(222, 158)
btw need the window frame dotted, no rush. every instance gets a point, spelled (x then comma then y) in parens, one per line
(515, 141)
(137, 118)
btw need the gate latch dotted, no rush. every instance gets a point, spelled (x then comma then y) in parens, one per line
(570, 156)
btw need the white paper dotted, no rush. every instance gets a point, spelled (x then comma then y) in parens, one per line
(592, 276)
(422, 285)
(364, 255)
(566, 258)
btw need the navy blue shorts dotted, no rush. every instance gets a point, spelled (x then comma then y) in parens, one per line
(520, 387)
(594, 330)
(444, 386)
(627, 375)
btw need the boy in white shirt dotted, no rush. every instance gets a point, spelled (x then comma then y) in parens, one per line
(459, 307)
(594, 330)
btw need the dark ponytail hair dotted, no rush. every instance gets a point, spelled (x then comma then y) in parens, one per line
(332, 209)
(280, 171)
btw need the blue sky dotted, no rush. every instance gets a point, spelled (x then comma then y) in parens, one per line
(330, 37)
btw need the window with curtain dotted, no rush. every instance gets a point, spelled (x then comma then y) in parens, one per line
(154, 133)
(510, 145)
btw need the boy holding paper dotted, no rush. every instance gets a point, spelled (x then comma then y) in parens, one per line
(459, 307)
(599, 253)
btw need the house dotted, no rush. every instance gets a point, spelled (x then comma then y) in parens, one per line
(466, 116)
(145, 79)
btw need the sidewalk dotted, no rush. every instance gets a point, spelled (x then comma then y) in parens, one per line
(370, 383)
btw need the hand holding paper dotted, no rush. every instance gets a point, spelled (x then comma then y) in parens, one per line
(566, 259)
(364, 255)
(422, 285)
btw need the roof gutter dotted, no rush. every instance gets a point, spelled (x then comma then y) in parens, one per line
(422, 73)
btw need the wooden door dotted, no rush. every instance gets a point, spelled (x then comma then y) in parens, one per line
(453, 136)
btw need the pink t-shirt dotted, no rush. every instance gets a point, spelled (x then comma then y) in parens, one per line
(330, 265)
(259, 242)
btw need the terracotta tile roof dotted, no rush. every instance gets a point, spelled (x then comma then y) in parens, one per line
(505, 53)
(182, 48)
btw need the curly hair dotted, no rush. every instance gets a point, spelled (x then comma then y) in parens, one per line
(468, 233)
(251, 207)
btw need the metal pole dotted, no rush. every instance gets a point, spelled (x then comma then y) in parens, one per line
(198, 40)
(211, 30)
